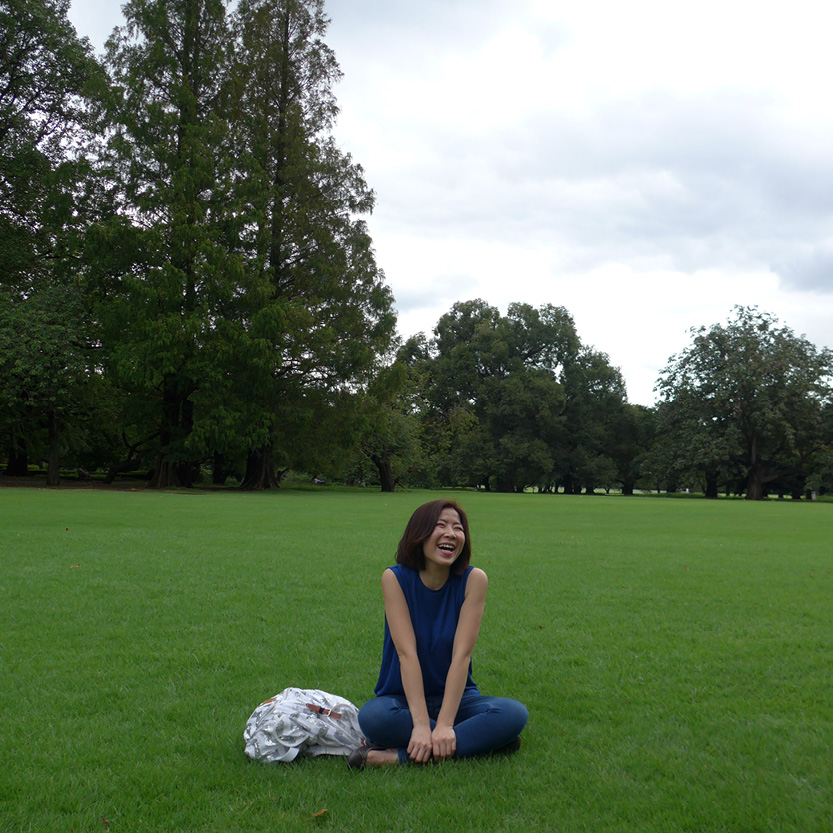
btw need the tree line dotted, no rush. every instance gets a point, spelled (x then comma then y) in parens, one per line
(188, 289)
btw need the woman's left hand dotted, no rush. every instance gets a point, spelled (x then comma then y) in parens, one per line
(443, 741)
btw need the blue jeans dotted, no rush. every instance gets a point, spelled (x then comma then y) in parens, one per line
(482, 724)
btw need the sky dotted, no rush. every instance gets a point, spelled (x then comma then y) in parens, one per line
(647, 165)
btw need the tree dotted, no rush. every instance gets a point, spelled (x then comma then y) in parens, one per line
(44, 71)
(316, 312)
(749, 394)
(633, 437)
(163, 314)
(494, 384)
(389, 426)
(45, 367)
(594, 407)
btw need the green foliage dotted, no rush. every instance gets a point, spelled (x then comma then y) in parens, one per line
(390, 432)
(166, 150)
(632, 439)
(45, 367)
(184, 243)
(747, 401)
(319, 309)
(44, 71)
(518, 400)
(236, 288)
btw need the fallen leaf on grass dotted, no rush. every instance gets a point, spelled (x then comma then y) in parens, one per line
(74, 566)
(105, 822)
(321, 812)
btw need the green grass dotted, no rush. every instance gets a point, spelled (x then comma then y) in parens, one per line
(676, 658)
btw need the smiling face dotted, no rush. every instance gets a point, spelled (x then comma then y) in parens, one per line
(446, 541)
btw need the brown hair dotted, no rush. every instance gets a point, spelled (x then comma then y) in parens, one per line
(409, 553)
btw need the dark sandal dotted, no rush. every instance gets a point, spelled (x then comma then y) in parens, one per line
(357, 759)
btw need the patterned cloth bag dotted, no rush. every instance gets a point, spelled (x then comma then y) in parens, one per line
(302, 721)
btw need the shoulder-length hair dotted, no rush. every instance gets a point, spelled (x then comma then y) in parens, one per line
(409, 553)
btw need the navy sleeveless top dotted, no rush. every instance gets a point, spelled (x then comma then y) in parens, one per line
(434, 616)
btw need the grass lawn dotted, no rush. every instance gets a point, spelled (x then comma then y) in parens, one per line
(676, 657)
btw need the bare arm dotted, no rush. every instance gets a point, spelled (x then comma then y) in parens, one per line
(444, 741)
(404, 640)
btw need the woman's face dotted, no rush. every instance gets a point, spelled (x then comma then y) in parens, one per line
(446, 541)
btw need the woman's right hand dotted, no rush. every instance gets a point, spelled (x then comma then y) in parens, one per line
(419, 748)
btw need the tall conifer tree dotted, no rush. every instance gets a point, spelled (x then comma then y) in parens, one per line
(168, 65)
(321, 312)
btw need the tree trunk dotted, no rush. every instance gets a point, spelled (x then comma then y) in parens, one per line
(186, 471)
(133, 458)
(219, 472)
(260, 471)
(755, 484)
(118, 468)
(755, 476)
(383, 465)
(167, 473)
(53, 469)
(711, 486)
(18, 462)
(505, 484)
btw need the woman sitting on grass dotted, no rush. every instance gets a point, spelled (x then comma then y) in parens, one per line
(427, 706)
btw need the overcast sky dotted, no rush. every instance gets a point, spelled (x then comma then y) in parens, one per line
(647, 164)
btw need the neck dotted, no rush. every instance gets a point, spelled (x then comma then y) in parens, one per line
(434, 576)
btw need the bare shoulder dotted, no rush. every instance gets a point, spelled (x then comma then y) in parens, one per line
(477, 580)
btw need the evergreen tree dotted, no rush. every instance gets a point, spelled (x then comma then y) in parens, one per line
(168, 155)
(317, 312)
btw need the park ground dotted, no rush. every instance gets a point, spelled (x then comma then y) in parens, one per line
(675, 657)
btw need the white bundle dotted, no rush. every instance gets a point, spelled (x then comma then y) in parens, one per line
(302, 721)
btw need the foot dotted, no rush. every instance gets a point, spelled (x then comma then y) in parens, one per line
(371, 756)
(382, 757)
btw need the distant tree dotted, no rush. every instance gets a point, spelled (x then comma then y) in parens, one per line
(44, 118)
(633, 437)
(494, 387)
(749, 394)
(594, 407)
(45, 365)
(45, 124)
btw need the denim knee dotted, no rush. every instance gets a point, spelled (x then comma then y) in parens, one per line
(516, 713)
(386, 721)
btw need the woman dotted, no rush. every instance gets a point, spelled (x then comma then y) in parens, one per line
(427, 707)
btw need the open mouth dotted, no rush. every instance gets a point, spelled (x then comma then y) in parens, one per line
(448, 549)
